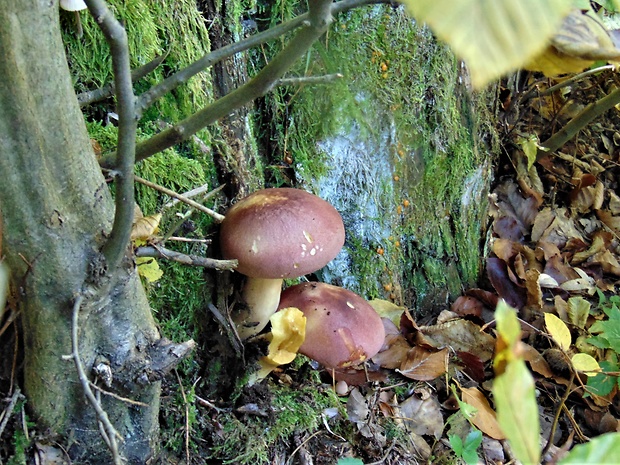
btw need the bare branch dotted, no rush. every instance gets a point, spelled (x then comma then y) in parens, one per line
(256, 87)
(96, 95)
(253, 89)
(215, 215)
(185, 259)
(116, 37)
(195, 192)
(108, 431)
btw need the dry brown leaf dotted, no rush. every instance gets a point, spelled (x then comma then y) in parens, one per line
(612, 222)
(394, 352)
(554, 226)
(422, 414)
(424, 365)
(614, 203)
(536, 360)
(534, 293)
(608, 262)
(485, 419)
(598, 244)
(145, 227)
(461, 336)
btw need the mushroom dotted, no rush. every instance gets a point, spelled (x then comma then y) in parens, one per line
(76, 6)
(342, 329)
(275, 234)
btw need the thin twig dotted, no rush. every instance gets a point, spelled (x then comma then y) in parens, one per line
(185, 259)
(117, 397)
(556, 417)
(303, 80)
(195, 192)
(216, 216)
(585, 117)
(9, 409)
(96, 95)
(108, 431)
(116, 37)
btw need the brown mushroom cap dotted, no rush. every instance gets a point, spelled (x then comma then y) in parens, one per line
(342, 329)
(281, 233)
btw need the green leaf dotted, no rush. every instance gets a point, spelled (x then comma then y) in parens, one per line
(609, 329)
(517, 411)
(601, 449)
(603, 383)
(578, 311)
(558, 330)
(472, 442)
(349, 461)
(456, 443)
(492, 36)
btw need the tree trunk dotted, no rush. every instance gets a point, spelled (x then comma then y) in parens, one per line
(56, 212)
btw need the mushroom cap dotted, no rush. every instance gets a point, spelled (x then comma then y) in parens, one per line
(281, 233)
(342, 329)
(72, 5)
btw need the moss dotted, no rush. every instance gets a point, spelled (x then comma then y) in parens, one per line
(400, 97)
(252, 439)
(154, 28)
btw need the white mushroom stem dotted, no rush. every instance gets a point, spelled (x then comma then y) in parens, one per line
(262, 297)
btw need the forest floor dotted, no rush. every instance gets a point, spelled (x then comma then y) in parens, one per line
(552, 255)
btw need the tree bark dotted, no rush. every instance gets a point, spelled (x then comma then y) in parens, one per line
(56, 214)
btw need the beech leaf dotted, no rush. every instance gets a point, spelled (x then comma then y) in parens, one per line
(493, 37)
(586, 364)
(578, 311)
(149, 269)
(558, 330)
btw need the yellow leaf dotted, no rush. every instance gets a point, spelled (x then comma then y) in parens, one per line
(387, 309)
(558, 330)
(586, 364)
(492, 36)
(288, 331)
(149, 269)
(530, 147)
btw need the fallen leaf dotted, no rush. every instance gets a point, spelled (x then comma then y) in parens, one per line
(558, 331)
(424, 365)
(144, 227)
(149, 269)
(460, 335)
(586, 364)
(497, 271)
(422, 414)
(485, 418)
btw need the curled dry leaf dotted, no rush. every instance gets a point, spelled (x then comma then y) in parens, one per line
(421, 413)
(497, 271)
(459, 335)
(423, 364)
(555, 226)
(145, 227)
(394, 349)
(485, 418)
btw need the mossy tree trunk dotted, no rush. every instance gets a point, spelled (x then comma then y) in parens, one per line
(56, 214)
